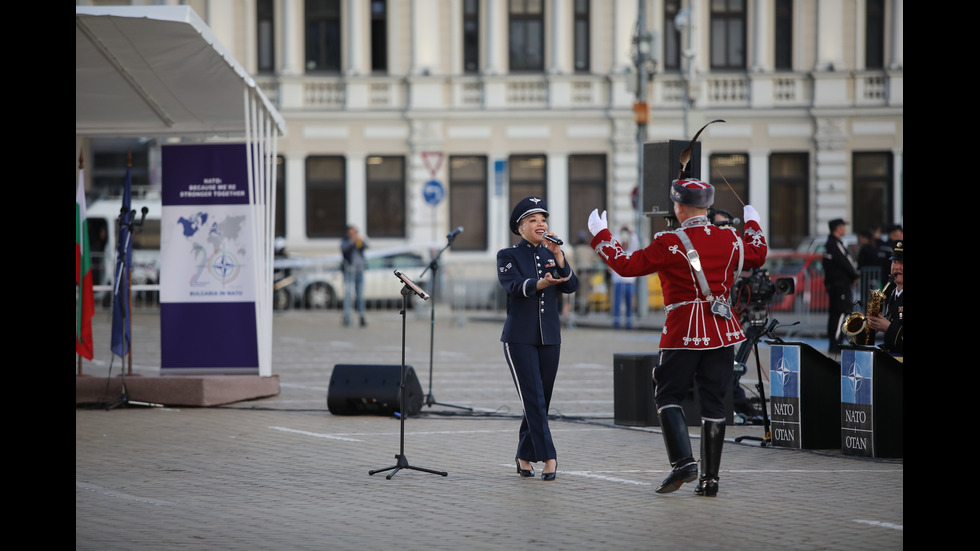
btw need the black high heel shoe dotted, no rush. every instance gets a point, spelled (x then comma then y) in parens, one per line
(526, 473)
(550, 476)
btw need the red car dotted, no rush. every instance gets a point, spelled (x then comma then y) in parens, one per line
(806, 269)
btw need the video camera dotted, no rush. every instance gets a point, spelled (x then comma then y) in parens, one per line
(758, 289)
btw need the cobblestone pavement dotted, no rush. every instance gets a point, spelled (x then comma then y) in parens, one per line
(284, 473)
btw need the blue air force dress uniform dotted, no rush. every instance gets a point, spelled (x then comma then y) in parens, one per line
(532, 330)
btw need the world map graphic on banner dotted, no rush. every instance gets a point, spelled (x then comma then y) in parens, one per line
(209, 253)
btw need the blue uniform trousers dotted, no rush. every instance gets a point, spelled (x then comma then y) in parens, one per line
(534, 368)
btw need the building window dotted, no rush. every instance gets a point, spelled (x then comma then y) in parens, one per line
(728, 34)
(379, 36)
(789, 197)
(322, 35)
(734, 169)
(526, 26)
(468, 201)
(672, 36)
(265, 35)
(528, 176)
(385, 196)
(471, 36)
(326, 196)
(280, 196)
(586, 191)
(581, 36)
(783, 42)
(872, 190)
(874, 35)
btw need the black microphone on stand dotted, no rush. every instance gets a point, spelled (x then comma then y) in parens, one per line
(454, 233)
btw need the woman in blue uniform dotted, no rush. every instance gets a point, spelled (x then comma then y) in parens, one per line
(533, 272)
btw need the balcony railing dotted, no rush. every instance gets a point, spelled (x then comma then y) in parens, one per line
(522, 92)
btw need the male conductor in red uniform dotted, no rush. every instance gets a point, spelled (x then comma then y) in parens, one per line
(697, 264)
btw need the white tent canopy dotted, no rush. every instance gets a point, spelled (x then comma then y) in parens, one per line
(159, 71)
(156, 71)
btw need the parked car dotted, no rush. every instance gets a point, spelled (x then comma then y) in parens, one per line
(319, 284)
(806, 269)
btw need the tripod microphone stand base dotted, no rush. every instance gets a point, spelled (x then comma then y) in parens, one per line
(403, 464)
(430, 401)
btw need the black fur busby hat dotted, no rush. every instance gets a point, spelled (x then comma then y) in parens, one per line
(692, 192)
(525, 207)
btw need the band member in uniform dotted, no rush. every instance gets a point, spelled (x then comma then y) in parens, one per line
(840, 273)
(890, 322)
(533, 272)
(697, 265)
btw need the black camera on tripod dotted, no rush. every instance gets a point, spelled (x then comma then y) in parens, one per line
(758, 289)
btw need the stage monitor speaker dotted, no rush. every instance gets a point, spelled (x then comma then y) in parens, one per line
(661, 164)
(633, 394)
(358, 389)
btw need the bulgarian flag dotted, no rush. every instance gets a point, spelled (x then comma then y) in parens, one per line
(85, 301)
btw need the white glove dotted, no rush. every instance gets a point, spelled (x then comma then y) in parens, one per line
(597, 223)
(749, 213)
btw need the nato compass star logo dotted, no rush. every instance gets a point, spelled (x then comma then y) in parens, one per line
(224, 266)
(854, 378)
(786, 377)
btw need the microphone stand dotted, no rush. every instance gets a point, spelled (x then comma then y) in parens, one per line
(430, 400)
(402, 463)
(131, 224)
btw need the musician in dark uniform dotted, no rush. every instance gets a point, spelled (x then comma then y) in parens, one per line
(890, 322)
(839, 275)
(533, 272)
(700, 333)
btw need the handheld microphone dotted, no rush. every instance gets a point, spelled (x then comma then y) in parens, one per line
(554, 239)
(455, 232)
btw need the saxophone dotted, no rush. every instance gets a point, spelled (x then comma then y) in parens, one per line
(855, 326)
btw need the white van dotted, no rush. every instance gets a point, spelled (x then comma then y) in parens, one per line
(103, 217)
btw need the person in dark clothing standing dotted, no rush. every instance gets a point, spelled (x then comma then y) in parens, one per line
(533, 273)
(840, 274)
(353, 246)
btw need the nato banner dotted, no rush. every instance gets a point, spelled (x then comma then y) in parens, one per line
(207, 262)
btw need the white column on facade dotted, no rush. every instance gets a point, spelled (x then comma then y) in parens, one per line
(357, 190)
(494, 40)
(295, 188)
(897, 36)
(557, 193)
(758, 192)
(356, 44)
(290, 37)
(426, 19)
(762, 34)
(624, 26)
(898, 208)
(561, 33)
(830, 40)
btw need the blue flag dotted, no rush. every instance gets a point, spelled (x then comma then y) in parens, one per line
(124, 263)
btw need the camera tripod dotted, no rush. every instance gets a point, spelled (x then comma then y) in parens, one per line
(757, 328)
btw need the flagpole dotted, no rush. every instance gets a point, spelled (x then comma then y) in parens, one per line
(129, 268)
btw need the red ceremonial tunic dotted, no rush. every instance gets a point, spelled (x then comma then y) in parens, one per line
(690, 324)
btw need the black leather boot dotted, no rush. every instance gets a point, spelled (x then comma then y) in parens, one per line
(712, 440)
(678, 443)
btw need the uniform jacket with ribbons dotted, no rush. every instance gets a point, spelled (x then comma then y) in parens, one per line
(532, 315)
(690, 325)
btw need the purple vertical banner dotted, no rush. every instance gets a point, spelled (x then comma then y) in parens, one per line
(207, 262)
